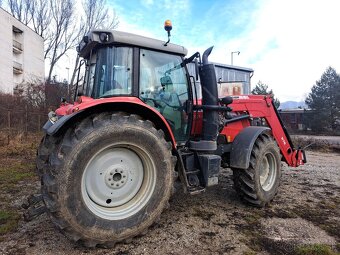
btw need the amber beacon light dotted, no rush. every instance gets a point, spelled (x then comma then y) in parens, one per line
(168, 27)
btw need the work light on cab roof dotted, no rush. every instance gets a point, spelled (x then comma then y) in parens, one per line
(104, 37)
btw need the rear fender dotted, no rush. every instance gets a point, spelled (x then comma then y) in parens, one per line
(243, 145)
(144, 111)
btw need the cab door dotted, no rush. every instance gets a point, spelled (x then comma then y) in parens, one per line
(163, 85)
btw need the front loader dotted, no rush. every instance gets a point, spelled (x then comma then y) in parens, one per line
(108, 161)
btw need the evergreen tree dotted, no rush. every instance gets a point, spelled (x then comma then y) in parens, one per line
(262, 89)
(324, 99)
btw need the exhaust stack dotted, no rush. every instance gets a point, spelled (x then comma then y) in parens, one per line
(209, 98)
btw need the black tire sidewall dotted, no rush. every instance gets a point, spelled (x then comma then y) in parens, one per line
(262, 194)
(77, 213)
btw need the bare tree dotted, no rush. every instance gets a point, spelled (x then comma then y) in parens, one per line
(41, 17)
(64, 31)
(57, 22)
(21, 10)
(33, 13)
(33, 92)
(96, 15)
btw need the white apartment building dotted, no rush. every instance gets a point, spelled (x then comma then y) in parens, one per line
(21, 53)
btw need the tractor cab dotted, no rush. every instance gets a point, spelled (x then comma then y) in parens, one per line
(120, 64)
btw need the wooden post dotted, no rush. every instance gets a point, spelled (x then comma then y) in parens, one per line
(9, 121)
(38, 122)
(26, 119)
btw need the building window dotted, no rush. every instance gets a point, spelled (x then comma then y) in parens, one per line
(17, 30)
(17, 40)
(293, 118)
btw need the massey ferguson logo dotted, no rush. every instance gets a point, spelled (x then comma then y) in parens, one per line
(283, 140)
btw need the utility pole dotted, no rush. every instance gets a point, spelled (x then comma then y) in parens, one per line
(232, 53)
(68, 84)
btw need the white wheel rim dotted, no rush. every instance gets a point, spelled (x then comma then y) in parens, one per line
(268, 171)
(118, 181)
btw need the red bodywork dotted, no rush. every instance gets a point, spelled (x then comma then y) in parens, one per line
(256, 106)
(88, 102)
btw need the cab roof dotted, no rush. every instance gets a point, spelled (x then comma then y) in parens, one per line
(112, 37)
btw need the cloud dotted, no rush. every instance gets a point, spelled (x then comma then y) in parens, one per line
(147, 3)
(289, 44)
(307, 44)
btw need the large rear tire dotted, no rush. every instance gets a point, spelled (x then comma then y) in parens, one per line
(107, 179)
(258, 184)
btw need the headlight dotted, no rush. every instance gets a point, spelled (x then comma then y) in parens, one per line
(52, 116)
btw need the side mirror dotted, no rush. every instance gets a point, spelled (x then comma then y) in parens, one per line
(80, 92)
(166, 81)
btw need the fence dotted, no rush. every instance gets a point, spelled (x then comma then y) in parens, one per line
(23, 120)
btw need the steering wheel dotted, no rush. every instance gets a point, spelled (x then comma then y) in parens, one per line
(156, 102)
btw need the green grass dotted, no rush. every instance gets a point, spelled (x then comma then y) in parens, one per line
(315, 249)
(250, 252)
(12, 175)
(8, 221)
(15, 173)
(17, 167)
(17, 160)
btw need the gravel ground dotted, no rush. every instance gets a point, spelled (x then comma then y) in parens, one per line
(305, 211)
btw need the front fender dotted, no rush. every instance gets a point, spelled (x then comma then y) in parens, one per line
(243, 145)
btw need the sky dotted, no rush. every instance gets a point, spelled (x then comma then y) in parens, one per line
(289, 43)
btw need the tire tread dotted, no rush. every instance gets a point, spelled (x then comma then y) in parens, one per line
(244, 179)
(50, 158)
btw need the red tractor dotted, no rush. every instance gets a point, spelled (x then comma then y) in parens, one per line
(108, 161)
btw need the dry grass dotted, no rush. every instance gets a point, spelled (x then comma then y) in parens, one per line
(313, 144)
(17, 166)
(20, 144)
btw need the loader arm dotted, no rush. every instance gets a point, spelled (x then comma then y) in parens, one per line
(262, 107)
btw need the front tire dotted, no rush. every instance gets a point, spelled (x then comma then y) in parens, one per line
(258, 184)
(109, 179)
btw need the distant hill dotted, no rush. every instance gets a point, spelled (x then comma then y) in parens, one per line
(292, 105)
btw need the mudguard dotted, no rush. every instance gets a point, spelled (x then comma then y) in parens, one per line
(243, 145)
(133, 107)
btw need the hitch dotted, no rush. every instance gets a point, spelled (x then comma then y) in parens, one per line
(34, 206)
(298, 157)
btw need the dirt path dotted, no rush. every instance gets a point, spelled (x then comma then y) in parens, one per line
(306, 211)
